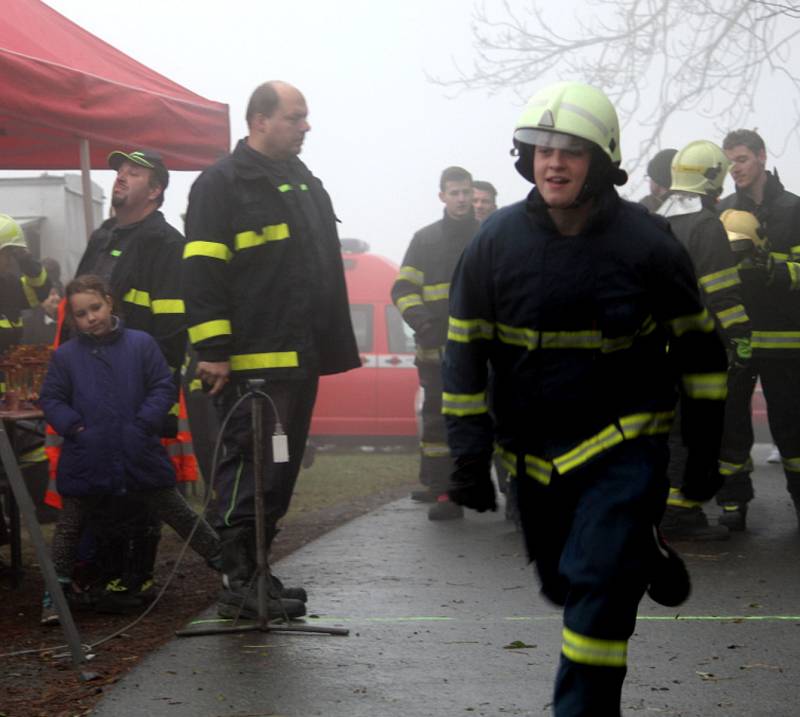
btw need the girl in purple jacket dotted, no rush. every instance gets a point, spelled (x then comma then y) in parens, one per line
(107, 393)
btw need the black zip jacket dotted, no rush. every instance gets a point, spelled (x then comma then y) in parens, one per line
(263, 278)
(19, 293)
(773, 306)
(568, 335)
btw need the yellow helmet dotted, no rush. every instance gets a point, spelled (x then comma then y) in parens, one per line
(744, 231)
(11, 233)
(558, 114)
(700, 167)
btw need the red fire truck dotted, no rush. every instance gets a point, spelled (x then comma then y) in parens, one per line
(374, 403)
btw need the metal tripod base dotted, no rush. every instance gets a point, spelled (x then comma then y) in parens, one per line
(262, 624)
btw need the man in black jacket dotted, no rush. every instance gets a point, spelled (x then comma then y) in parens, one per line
(266, 299)
(420, 292)
(771, 297)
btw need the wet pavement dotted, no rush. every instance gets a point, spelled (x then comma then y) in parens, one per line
(445, 619)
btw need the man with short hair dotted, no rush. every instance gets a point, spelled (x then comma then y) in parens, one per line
(266, 299)
(771, 292)
(420, 293)
(660, 175)
(484, 199)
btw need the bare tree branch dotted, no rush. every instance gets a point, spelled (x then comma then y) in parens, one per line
(655, 59)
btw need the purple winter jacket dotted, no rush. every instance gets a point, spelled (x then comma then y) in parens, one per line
(120, 390)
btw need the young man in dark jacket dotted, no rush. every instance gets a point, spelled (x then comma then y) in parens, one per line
(771, 292)
(420, 293)
(265, 296)
(560, 313)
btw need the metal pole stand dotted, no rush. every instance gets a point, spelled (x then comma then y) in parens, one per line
(262, 622)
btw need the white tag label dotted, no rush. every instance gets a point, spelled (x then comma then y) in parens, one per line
(280, 448)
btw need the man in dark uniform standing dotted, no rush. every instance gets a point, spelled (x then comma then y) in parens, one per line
(266, 299)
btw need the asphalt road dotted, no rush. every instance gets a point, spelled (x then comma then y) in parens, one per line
(445, 619)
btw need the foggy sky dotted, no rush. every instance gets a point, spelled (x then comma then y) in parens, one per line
(381, 133)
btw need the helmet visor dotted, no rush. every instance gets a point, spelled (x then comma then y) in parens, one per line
(548, 138)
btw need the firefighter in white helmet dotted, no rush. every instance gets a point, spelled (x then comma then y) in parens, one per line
(17, 292)
(698, 174)
(560, 312)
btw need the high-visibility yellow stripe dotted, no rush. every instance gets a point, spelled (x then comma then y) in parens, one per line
(591, 651)
(285, 188)
(404, 303)
(466, 330)
(434, 450)
(775, 340)
(410, 274)
(195, 385)
(168, 306)
(795, 252)
(273, 359)
(175, 409)
(518, 336)
(701, 322)
(209, 329)
(538, 469)
(507, 460)
(727, 468)
(464, 404)
(791, 464)
(646, 424)
(428, 355)
(35, 455)
(37, 281)
(794, 274)
(30, 295)
(609, 437)
(676, 499)
(436, 292)
(138, 297)
(9, 324)
(720, 280)
(712, 386)
(571, 339)
(271, 232)
(211, 249)
(735, 315)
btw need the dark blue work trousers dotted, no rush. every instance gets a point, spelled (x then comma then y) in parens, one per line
(590, 533)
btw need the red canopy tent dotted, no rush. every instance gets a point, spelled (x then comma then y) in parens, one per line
(67, 99)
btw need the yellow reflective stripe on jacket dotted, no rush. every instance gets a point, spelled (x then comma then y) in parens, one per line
(628, 428)
(775, 340)
(404, 303)
(720, 280)
(571, 339)
(273, 359)
(791, 464)
(195, 385)
(9, 324)
(35, 281)
(436, 292)
(168, 306)
(464, 404)
(609, 437)
(35, 455)
(209, 329)
(538, 469)
(138, 297)
(271, 232)
(779, 256)
(795, 252)
(727, 468)
(735, 315)
(713, 386)
(794, 274)
(677, 500)
(694, 322)
(517, 336)
(428, 355)
(466, 330)
(289, 187)
(30, 294)
(591, 651)
(410, 274)
(211, 249)
(508, 460)
(434, 450)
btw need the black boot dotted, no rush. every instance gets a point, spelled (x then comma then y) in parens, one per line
(734, 516)
(690, 524)
(240, 600)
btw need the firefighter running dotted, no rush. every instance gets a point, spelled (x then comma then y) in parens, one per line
(561, 310)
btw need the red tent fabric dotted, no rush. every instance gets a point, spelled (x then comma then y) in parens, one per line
(59, 84)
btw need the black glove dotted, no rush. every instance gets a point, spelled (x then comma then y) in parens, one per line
(428, 337)
(701, 477)
(471, 483)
